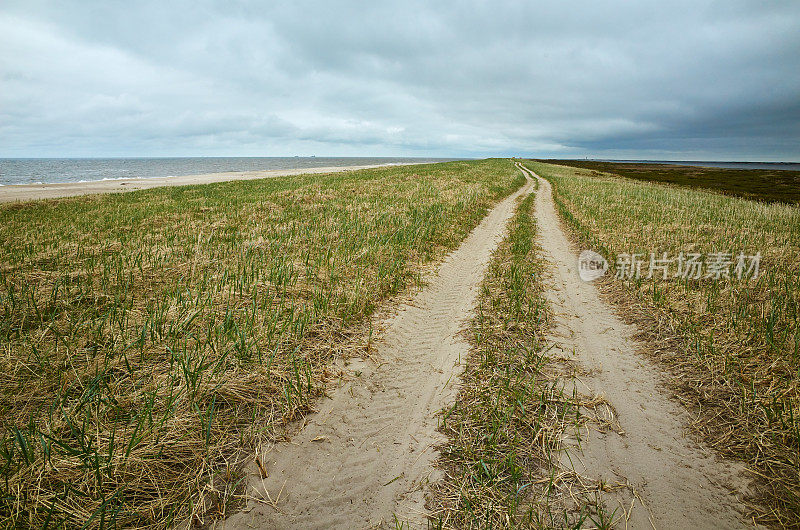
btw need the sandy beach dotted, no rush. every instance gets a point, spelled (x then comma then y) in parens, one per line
(32, 192)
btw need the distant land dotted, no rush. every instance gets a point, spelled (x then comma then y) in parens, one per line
(765, 181)
(786, 166)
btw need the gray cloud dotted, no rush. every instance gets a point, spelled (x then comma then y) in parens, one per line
(695, 79)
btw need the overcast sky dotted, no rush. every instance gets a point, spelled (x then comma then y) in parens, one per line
(645, 79)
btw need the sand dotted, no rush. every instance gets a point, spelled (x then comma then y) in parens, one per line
(656, 476)
(29, 192)
(366, 456)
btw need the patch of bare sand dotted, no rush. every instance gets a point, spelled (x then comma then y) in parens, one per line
(653, 474)
(367, 455)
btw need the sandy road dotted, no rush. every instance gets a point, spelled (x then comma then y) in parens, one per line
(364, 459)
(660, 479)
(366, 456)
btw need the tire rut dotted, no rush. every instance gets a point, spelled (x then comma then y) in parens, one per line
(653, 474)
(367, 455)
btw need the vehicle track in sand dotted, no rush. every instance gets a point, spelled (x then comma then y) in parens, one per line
(657, 476)
(366, 456)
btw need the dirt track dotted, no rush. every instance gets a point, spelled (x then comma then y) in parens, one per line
(366, 456)
(658, 477)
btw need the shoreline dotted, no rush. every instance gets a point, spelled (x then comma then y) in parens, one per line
(34, 192)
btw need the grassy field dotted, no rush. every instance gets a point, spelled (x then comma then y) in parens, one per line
(150, 340)
(733, 345)
(757, 184)
(507, 426)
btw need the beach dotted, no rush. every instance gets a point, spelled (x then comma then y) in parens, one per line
(32, 192)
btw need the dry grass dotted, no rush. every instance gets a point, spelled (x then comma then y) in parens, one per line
(149, 340)
(733, 346)
(515, 408)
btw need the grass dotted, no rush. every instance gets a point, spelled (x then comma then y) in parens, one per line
(512, 413)
(756, 184)
(733, 346)
(150, 340)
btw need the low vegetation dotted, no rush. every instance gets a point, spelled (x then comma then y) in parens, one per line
(770, 185)
(732, 344)
(150, 339)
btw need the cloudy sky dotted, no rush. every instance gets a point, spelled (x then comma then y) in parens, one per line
(646, 79)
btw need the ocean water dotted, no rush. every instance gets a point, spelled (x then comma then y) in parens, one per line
(55, 170)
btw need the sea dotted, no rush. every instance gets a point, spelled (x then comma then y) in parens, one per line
(58, 170)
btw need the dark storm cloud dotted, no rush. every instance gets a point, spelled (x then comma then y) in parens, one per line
(617, 79)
